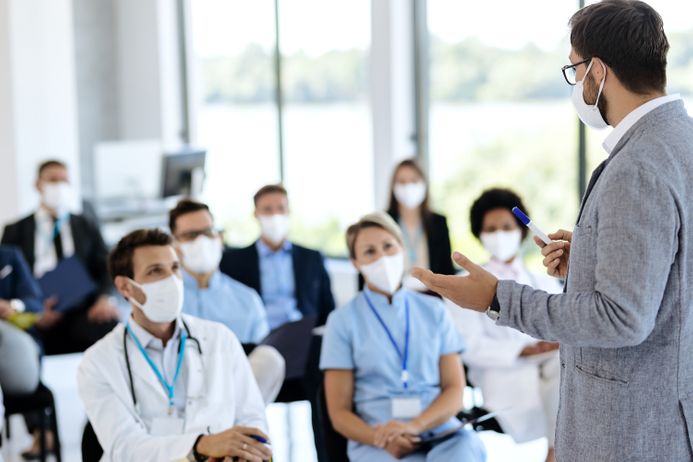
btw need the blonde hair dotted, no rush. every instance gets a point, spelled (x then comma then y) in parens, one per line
(373, 220)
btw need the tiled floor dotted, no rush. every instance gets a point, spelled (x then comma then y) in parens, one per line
(290, 425)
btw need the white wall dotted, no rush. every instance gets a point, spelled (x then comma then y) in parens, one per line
(37, 95)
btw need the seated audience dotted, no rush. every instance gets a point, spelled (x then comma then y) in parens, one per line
(46, 237)
(500, 357)
(212, 295)
(20, 308)
(19, 293)
(424, 232)
(167, 386)
(393, 378)
(293, 283)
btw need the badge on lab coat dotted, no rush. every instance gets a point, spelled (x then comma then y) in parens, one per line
(167, 426)
(406, 408)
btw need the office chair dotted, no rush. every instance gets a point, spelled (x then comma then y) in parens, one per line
(40, 401)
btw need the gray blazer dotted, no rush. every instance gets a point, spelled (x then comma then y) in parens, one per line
(625, 323)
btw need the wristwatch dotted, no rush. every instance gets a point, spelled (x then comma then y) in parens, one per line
(17, 305)
(493, 311)
(193, 455)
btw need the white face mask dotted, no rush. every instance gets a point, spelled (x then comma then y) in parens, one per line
(57, 196)
(503, 245)
(589, 114)
(164, 299)
(202, 255)
(274, 228)
(385, 273)
(410, 195)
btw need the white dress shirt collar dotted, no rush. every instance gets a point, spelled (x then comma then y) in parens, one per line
(636, 114)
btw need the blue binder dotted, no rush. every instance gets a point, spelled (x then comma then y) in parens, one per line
(70, 282)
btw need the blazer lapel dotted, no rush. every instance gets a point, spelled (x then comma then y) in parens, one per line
(30, 241)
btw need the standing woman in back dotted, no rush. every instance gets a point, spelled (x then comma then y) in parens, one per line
(425, 233)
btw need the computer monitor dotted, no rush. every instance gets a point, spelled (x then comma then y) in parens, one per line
(183, 173)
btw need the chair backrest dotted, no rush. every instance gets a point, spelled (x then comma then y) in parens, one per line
(91, 448)
(335, 444)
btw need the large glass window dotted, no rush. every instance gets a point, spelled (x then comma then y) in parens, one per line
(326, 136)
(328, 142)
(500, 111)
(235, 117)
(679, 29)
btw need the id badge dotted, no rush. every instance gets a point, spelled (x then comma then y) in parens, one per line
(167, 426)
(406, 408)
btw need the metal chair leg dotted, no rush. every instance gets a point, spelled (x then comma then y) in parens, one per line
(43, 450)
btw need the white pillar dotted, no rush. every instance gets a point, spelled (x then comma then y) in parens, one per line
(38, 104)
(149, 70)
(392, 89)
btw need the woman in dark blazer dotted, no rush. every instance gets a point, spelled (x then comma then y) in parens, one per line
(426, 236)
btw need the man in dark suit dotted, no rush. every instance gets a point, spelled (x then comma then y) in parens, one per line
(293, 283)
(291, 279)
(46, 237)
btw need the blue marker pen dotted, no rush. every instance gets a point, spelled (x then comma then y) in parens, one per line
(534, 228)
(259, 439)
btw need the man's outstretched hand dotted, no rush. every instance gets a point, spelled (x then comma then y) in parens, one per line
(475, 291)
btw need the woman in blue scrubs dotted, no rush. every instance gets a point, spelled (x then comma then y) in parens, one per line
(393, 379)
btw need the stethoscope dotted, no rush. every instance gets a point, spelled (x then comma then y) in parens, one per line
(127, 358)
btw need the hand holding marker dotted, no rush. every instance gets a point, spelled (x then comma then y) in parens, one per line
(528, 223)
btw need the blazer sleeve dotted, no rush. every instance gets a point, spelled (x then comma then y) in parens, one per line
(96, 259)
(326, 298)
(25, 286)
(631, 250)
(439, 248)
(10, 235)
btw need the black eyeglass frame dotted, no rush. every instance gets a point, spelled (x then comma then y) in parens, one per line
(573, 66)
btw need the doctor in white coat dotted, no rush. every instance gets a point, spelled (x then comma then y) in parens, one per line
(166, 386)
(519, 376)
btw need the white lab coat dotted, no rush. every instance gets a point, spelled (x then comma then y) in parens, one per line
(525, 391)
(221, 393)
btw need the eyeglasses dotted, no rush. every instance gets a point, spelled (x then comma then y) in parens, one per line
(192, 235)
(570, 71)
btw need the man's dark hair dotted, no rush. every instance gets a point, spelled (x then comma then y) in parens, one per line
(48, 164)
(183, 207)
(269, 189)
(493, 199)
(120, 260)
(629, 37)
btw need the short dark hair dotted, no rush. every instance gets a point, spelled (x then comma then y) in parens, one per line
(493, 199)
(183, 207)
(393, 206)
(629, 37)
(269, 189)
(48, 164)
(120, 259)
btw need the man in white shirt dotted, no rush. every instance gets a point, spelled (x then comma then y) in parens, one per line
(167, 386)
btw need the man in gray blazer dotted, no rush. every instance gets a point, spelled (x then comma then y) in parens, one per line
(625, 321)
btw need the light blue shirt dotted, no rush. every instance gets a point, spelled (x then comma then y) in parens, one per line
(355, 340)
(278, 284)
(229, 302)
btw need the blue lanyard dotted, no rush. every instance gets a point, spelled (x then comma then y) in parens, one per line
(404, 357)
(412, 247)
(169, 387)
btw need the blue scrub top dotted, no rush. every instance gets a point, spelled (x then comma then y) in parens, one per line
(355, 340)
(229, 302)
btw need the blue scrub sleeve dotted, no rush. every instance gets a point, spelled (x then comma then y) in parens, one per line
(450, 340)
(260, 328)
(337, 351)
